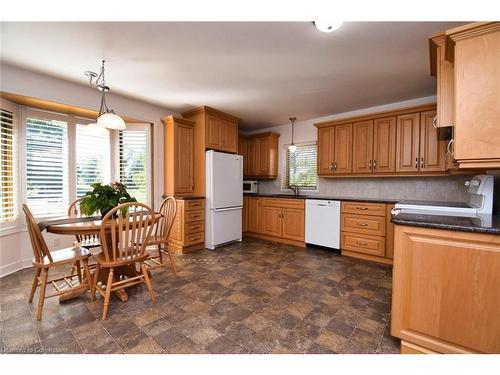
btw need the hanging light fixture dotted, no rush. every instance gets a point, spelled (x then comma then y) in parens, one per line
(96, 130)
(107, 118)
(292, 148)
(327, 26)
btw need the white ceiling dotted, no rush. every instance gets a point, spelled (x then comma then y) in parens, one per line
(263, 72)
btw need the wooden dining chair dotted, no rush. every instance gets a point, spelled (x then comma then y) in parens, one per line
(161, 236)
(86, 240)
(44, 260)
(123, 240)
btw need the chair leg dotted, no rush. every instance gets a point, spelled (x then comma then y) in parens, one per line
(95, 281)
(87, 273)
(172, 260)
(78, 271)
(148, 282)
(107, 295)
(41, 299)
(35, 284)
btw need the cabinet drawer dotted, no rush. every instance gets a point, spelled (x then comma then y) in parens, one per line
(363, 243)
(377, 209)
(194, 227)
(283, 202)
(374, 225)
(195, 215)
(194, 204)
(194, 238)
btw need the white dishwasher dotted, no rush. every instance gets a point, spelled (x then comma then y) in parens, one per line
(323, 223)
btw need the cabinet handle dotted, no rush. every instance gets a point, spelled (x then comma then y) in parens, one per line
(448, 147)
(362, 208)
(331, 166)
(361, 243)
(416, 163)
(335, 167)
(362, 224)
(370, 165)
(434, 120)
(422, 163)
(374, 164)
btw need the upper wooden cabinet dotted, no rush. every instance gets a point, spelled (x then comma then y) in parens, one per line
(418, 148)
(179, 156)
(220, 129)
(384, 144)
(465, 61)
(260, 155)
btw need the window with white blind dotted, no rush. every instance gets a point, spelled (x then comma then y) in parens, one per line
(300, 167)
(134, 161)
(47, 192)
(93, 158)
(7, 162)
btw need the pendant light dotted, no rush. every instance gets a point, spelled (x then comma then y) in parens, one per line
(107, 118)
(327, 26)
(96, 130)
(292, 148)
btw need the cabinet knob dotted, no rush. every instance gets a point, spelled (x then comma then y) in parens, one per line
(416, 163)
(335, 166)
(374, 164)
(422, 163)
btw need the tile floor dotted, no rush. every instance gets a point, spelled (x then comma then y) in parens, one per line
(251, 297)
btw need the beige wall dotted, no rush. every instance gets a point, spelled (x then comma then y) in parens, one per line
(15, 252)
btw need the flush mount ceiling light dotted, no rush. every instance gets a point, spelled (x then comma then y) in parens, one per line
(107, 118)
(292, 148)
(327, 26)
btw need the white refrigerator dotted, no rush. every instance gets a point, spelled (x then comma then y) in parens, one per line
(224, 198)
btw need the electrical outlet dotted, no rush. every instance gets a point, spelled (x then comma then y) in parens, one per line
(57, 242)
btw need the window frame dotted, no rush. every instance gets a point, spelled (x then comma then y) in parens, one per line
(285, 166)
(9, 227)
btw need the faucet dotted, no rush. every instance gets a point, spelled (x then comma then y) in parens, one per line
(295, 189)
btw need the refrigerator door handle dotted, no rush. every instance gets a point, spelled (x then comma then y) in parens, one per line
(227, 209)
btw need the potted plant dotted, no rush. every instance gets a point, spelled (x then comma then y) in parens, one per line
(104, 198)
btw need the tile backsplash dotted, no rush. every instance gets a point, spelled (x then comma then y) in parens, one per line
(449, 188)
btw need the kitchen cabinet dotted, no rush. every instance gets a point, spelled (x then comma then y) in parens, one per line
(261, 161)
(400, 142)
(365, 231)
(446, 290)
(277, 219)
(465, 63)
(178, 156)
(254, 214)
(218, 130)
(243, 151)
(244, 215)
(326, 143)
(418, 148)
(188, 228)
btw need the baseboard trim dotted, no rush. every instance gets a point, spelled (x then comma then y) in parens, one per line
(274, 239)
(14, 267)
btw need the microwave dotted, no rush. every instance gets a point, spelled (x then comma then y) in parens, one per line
(250, 187)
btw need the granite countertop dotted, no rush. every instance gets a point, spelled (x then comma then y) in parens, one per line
(328, 197)
(480, 224)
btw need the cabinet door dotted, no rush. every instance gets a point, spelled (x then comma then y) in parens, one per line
(384, 145)
(184, 159)
(326, 144)
(432, 151)
(252, 162)
(242, 150)
(271, 221)
(263, 156)
(254, 214)
(342, 161)
(446, 289)
(213, 133)
(362, 147)
(244, 214)
(407, 143)
(229, 136)
(445, 86)
(293, 224)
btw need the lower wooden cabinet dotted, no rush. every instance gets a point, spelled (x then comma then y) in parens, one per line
(366, 231)
(446, 290)
(244, 215)
(188, 230)
(278, 219)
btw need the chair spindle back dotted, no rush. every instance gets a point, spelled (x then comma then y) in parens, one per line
(74, 210)
(38, 244)
(168, 210)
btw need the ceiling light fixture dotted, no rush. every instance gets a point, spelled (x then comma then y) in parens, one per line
(327, 26)
(107, 118)
(292, 148)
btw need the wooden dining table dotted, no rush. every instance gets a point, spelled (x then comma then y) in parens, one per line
(89, 227)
